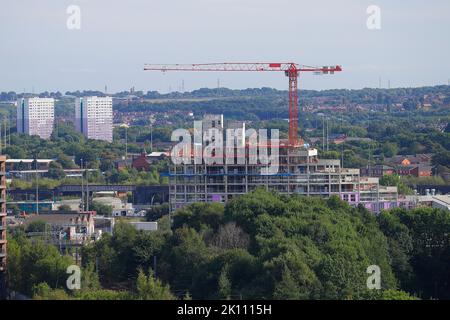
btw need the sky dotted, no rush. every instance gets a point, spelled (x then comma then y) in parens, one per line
(38, 52)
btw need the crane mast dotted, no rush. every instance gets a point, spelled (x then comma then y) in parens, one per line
(291, 70)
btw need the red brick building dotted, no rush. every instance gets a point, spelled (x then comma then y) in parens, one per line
(418, 165)
(377, 171)
(416, 171)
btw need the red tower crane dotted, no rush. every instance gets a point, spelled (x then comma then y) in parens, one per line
(291, 70)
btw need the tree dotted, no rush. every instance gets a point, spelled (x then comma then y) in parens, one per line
(441, 158)
(183, 265)
(199, 215)
(287, 289)
(15, 152)
(101, 209)
(157, 211)
(56, 171)
(37, 263)
(90, 280)
(245, 209)
(400, 247)
(36, 226)
(15, 276)
(66, 161)
(147, 248)
(389, 149)
(42, 291)
(326, 245)
(224, 284)
(103, 294)
(396, 295)
(430, 256)
(395, 180)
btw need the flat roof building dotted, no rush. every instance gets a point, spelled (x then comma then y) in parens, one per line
(36, 116)
(94, 117)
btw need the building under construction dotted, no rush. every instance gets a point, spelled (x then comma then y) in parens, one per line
(300, 171)
(2, 227)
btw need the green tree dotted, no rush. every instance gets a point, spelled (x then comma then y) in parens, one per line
(390, 149)
(441, 158)
(36, 226)
(90, 280)
(396, 295)
(287, 288)
(157, 211)
(400, 247)
(396, 180)
(224, 284)
(15, 271)
(43, 291)
(37, 262)
(430, 255)
(66, 161)
(184, 264)
(199, 215)
(101, 209)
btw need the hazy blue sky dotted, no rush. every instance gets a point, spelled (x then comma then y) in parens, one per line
(117, 37)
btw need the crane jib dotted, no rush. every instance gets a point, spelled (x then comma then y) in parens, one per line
(291, 70)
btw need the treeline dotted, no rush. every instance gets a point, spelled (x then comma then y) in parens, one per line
(244, 108)
(365, 94)
(264, 245)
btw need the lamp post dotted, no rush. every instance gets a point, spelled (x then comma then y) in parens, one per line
(37, 185)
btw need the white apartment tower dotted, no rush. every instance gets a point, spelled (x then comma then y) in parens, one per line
(94, 117)
(36, 116)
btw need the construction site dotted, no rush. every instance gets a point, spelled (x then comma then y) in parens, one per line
(300, 171)
(2, 227)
